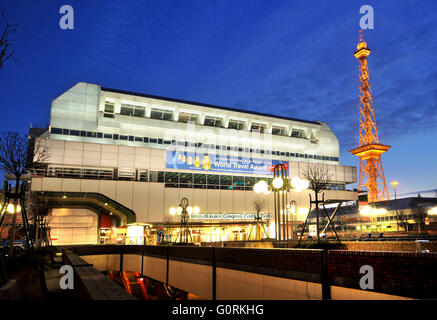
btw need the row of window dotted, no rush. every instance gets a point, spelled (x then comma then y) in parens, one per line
(204, 181)
(170, 178)
(185, 117)
(116, 136)
(394, 218)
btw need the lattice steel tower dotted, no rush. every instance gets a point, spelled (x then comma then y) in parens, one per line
(370, 150)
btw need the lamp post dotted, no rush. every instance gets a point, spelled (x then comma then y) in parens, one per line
(394, 184)
(184, 210)
(280, 186)
(291, 209)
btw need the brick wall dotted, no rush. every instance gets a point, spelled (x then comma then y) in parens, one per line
(404, 246)
(407, 246)
(401, 273)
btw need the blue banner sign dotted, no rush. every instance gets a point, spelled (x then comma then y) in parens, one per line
(219, 163)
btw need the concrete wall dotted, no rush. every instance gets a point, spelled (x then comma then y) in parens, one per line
(235, 285)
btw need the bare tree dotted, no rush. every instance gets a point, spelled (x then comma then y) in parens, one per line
(258, 204)
(403, 220)
(418, 211)
(318, 176)
(19, 153)
(39, 205)
(5, 42)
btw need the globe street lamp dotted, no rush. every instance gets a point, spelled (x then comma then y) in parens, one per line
(280, 186)
(184, 210)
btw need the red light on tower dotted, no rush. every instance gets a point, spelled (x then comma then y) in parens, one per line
(370, 150)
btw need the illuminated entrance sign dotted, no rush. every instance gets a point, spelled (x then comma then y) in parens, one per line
(228, 216)
(219, 163)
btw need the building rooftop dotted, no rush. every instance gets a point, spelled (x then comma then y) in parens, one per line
(206, 105)
(389, 205)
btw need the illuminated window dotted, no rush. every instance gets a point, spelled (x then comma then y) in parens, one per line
(199, 180)
(213, 181)
(258, 127)
(156, 176)
(161, 114)
(225, 182)
(298, 133)
(171, 179)
(236, 124)
(143, 175)
(131, 110)
(238, 183)
(188, 117)
(279, 131)
(213, 122)
(185, 180)
(109, 110)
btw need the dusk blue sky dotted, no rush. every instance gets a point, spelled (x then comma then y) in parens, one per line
(290, 58)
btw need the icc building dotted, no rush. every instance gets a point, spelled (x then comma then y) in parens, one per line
(119, 161)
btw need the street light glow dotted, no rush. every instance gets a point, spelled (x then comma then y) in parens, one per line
(172, 211)
(303, 211)
(299, 184)
(367, 211)
(11, 208)
(179, 210)
(196, 210)
(260, 187)
(277, 183)
(432, 211)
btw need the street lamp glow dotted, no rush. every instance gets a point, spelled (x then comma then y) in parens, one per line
(299, 184)
(267, 191)
(172, 211)
(365, 211)
(260, 186)
(380, 211)
(11, 208)
(303, 211)
(179, 210)
(196, 210)
(394, 183)
(190, 210)
(277, 183)
(432, 211)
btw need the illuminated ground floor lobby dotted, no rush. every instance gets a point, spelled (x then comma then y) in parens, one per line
(198, 233)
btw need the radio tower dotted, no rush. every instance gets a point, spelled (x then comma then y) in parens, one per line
(370, 150)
